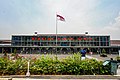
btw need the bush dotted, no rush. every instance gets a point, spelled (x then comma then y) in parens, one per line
(118, 58)
(52, 66)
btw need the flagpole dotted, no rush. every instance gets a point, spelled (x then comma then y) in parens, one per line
(61, 19)
(56, 34)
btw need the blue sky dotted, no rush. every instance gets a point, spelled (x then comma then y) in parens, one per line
(100, 17)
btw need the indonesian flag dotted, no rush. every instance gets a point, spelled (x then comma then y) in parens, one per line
(60, 18)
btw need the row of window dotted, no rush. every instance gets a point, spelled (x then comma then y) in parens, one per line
(61, 44)
(63, 38)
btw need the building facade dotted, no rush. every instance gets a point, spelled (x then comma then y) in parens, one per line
(60, 43)
(63, 40)
(65, 43)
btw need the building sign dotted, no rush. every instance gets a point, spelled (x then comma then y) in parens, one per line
(64, 39)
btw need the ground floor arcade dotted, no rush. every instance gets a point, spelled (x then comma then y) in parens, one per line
(59, 50)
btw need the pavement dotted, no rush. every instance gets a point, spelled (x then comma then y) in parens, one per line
(60, 56)
(51, 79)
(97, 57)
(62, 77)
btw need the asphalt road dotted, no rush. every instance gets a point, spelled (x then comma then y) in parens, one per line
(60, 56)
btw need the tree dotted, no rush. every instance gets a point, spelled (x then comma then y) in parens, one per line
(103, 54)
(103, 51)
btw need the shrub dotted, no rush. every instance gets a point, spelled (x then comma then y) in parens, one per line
(118, 58)
(52, 66)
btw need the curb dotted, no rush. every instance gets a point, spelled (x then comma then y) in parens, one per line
(5, 78)
(61, 77)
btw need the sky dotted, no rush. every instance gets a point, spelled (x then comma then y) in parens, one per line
(97, 17)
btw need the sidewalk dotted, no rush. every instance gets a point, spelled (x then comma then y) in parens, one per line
(61, 77)
(91, 57)
(97, 57)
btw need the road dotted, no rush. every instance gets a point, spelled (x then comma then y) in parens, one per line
(60, 56)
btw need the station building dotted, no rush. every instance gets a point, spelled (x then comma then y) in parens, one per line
(62, 43)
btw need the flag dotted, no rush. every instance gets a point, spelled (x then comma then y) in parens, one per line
(60, 18)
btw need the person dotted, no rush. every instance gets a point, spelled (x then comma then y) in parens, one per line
(83, 54)
(111, 58)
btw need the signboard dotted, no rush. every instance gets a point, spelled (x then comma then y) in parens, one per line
(105, 63)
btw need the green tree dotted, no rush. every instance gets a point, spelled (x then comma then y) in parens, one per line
(103, 51)
(15, 51)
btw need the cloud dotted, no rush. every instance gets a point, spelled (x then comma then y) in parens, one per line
(113, 29)
(40, 15)
(75, 12)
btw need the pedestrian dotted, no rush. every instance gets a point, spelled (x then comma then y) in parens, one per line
(83, 54)
(111, 58)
